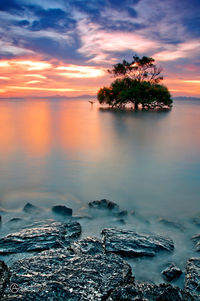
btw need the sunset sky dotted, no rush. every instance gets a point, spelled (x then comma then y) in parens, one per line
(64, 47)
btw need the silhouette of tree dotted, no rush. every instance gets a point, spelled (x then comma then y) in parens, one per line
(137, 84)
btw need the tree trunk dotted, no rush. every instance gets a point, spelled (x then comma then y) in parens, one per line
(136, 106)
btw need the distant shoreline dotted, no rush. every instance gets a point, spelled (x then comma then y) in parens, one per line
(185, 98)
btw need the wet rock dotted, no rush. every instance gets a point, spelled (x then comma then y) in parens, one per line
(149, 292)
(89, 246)
(15, 220)
(108, 205)
(171, 224)
(192, 277)
(47, 236)
(171, 273)
(59, 275)
(131, 244)
(63, 210)
(4, 277)
(103, 204)
(196, 240)
(29, 208)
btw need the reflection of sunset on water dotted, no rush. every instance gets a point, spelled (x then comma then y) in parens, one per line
(34, 125)
(7, 130)
(78, 128)
(36, 131)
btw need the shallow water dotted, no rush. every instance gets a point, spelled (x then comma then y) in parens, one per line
(67, 152)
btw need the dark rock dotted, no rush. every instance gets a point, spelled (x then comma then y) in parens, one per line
(171, 273)
(15, 220)
(131, 244)
(171, 224)
(60, 275)
(192, 277)
(149, 292)
(0, 219)
(103, 204)
(89, 246)
(29, 208)
(196, 240)
(108, 205)
(47, 236)
(121, 212)
(4, 277)
(63, 210)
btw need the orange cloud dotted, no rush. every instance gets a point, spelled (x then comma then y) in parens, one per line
(17, 79)
(183, 86)
(81, 71)
(47, 77)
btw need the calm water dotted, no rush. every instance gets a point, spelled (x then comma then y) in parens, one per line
(65, 152)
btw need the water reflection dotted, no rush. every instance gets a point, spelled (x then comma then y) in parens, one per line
(7, 130)
(144, 160)
(78, 127)
(34, 121)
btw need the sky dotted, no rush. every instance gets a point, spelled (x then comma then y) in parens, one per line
(64, 47)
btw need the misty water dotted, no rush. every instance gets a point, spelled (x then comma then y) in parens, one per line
(68, 152)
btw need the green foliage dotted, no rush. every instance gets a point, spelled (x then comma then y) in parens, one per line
(137, 85)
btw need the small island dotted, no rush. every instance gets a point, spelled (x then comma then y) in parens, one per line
(137, 85)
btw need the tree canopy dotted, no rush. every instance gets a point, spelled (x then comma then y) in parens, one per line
(137, 84)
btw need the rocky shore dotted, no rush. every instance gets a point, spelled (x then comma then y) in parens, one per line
(60, 264)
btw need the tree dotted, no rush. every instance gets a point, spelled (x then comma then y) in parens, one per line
(137, 84)
(142, 69)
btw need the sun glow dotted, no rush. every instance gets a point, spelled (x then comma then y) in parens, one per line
(34, 65)
(48, 76)
(81, 71)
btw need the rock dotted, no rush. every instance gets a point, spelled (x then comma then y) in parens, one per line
(15, 220)
(196, 240)
(103, 204)
(59, 275)
(171, 224)
(29, 208)
(112, 207)
(131, 244)
(140, 291)
(121, 212)
(171, 273)
(47, 236)
(63, 210)
(89, 246)
(4, 277)
(192, 277)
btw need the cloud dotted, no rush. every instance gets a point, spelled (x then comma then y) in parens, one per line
(81, 71)
(98, 44)
(86, 37)
(11, 6)
(182, 50)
